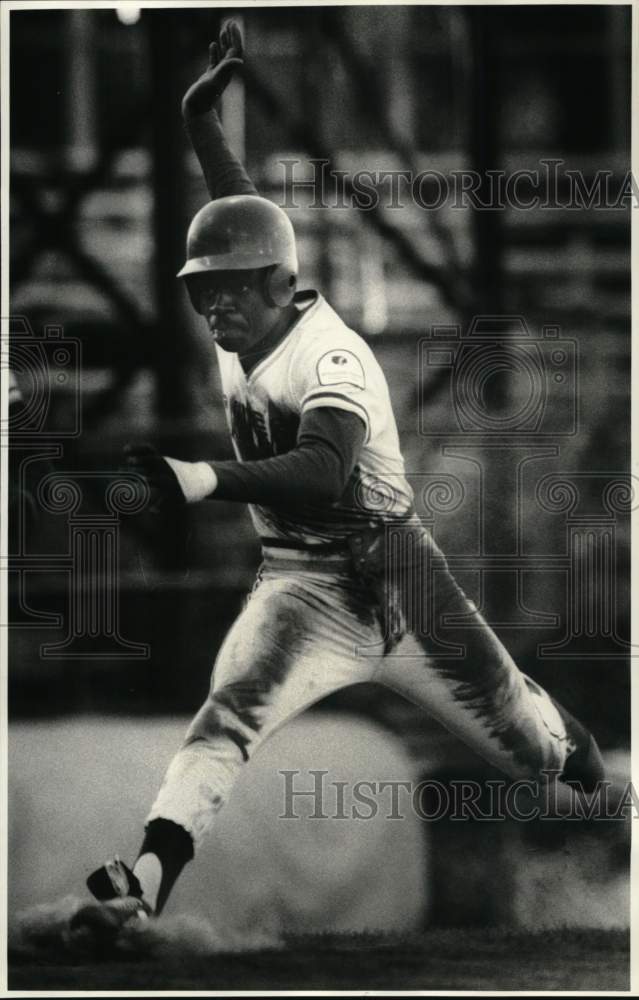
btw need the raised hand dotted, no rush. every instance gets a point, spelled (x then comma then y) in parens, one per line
(225, 56)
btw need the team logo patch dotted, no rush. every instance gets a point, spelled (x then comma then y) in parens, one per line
(340, 366)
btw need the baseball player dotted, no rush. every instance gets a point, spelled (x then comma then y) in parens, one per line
(350, 579)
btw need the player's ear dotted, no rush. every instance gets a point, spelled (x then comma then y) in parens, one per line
(266, 284)
(279, 285)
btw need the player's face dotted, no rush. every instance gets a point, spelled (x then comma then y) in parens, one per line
(234, 307)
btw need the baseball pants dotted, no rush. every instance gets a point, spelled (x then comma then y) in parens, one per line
(313, 625)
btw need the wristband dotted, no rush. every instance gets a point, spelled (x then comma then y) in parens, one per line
(197, 479)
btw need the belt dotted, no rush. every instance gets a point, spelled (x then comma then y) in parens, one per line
(285, 554)
(317, 548)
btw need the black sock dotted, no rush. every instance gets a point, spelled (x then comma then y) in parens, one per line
(173, 846)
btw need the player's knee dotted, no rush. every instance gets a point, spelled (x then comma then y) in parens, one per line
(221, 719)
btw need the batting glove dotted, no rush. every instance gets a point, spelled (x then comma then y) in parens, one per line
(225, 56)
(161, 481)
(170, 481)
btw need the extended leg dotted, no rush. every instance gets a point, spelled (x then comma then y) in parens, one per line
(475, 689)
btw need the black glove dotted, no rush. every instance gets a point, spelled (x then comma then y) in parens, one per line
(225, 56)
(146, 461)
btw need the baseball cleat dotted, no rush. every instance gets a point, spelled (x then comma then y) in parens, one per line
(114, 879)
(119, 904)
(106, 919)
(584, 764)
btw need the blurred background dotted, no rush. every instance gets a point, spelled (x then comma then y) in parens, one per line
(103, 186)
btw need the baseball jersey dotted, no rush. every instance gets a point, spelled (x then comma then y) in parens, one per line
(319, 363)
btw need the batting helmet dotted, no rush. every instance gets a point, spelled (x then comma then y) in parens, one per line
(243, 232)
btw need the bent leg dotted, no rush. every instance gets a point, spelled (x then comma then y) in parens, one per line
(294, 643)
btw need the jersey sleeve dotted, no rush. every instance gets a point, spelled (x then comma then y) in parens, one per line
(336, 370)
(315, 471)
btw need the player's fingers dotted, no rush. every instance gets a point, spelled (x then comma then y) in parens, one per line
(225, 40)
(213, 55)
(233, 54)
(232, 62)
(236, 38)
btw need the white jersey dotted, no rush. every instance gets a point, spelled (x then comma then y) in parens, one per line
(320, 362)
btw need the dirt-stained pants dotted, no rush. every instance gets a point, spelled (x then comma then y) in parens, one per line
(316, 624)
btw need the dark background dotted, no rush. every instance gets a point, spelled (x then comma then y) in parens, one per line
(102, 188)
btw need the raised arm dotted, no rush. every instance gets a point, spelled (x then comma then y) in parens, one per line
(223, 172)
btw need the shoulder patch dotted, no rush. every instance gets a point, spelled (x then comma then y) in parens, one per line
(340, 366)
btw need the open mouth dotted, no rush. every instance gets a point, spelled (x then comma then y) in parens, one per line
(225, 326)
(226, 320)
